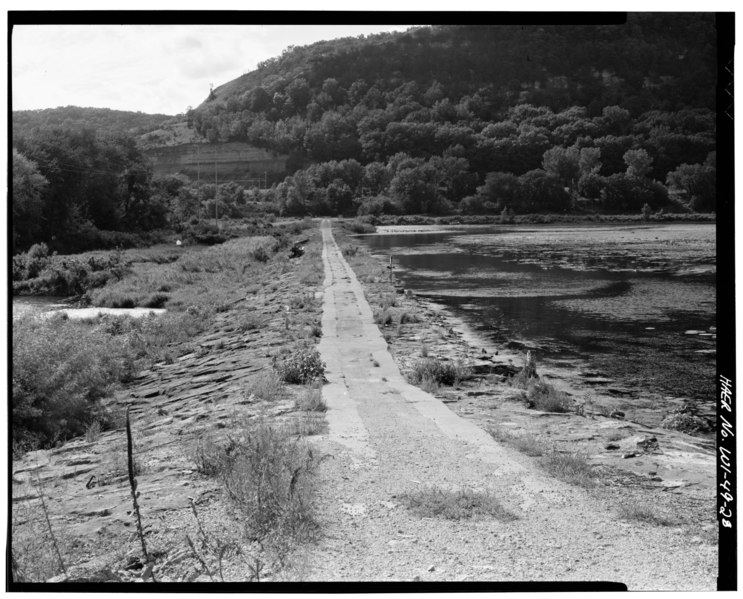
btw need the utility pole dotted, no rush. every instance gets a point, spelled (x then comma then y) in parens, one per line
(216, 195)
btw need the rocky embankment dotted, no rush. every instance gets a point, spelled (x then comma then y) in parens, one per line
(82, 485)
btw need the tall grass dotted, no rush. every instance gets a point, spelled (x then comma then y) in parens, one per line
(267, 477)
(207, 277)
(310, 400)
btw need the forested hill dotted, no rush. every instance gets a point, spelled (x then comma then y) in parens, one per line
(442, 120)
(103, 120)
(482, 118)
(470, 73)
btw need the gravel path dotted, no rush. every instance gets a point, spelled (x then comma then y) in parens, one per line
(388, 438)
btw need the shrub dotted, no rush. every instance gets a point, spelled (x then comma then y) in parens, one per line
(156, 300)
(544, 397)
(210, 457)
(302, 366)
(248, 321)
(443, 373)
(305, 301)
(267, 477)
(38, 272)
(360, 227)
(60, 371)
(384, 318)
(35, 260)
(407, 317)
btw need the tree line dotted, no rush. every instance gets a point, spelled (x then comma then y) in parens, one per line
(533, 161)
(78, 189)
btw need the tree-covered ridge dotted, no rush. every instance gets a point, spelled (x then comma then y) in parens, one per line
(100, 119)
(468, 75)
(441, 113)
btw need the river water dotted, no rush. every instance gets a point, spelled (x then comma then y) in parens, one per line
(39, 305)
(634, 303)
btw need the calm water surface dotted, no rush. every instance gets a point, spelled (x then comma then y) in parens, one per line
(619, 298)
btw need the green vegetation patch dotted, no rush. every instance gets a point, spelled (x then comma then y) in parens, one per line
(302, 366)
(649, 514)
(62, 368)
(455, 504)
(266, 474)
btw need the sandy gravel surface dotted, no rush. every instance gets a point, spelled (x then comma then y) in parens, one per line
(388, 438)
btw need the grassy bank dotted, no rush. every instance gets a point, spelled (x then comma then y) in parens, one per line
(62, 368)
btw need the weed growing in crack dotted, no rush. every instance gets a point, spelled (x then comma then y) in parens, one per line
(649, 514)
(571, 467)
(525, 443)
(456, 504)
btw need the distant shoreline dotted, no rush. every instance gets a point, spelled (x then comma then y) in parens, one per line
(522, 219)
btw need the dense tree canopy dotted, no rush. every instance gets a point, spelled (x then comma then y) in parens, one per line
(571, 101)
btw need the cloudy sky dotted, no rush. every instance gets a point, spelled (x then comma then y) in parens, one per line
(147, 68)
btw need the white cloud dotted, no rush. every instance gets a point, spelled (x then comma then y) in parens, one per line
(150, 68)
